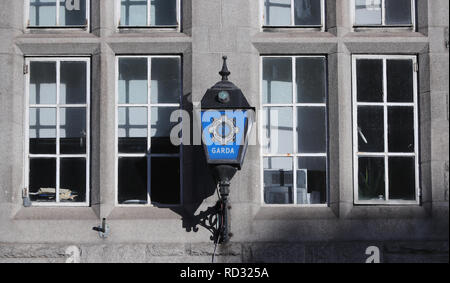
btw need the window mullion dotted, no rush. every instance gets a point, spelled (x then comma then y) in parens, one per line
(386, 131)
(383, 12)
(57, 12)
(58, 149)
(149, 2)
(292, 13)
(149, 128)
(294, 131)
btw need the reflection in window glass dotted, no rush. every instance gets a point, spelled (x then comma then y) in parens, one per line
(312, 180)
(42, 130)
(278, 180)
(385, 133)
(401, 129)
(72, 13)
(133, 13)
(398, 12)
(277, 12)
(311, 129)
(400, 81)
(165, 184)
(73, 83)
(58, 129)
(163, 13)
(369, 80)
(148, 13)
(42, 179)
(368, 12)
(402, 185)
(371, 178)
(161, 128)
(42, 12)
(166, 80)
(42, 83)
(311, 80)
(132, 129)
(277, 80)
(307, 12)
(73, 130)
(144, 129)
(133, 85)
(132, 180)
(370, 129)
(295, 132)
(278, 129)
(72, 180)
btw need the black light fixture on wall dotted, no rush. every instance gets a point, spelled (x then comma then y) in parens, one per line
(227, 119)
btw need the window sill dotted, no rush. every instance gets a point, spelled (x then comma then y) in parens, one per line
(57, 30)
(384, 29)
(143, 212)
(413, 211)
(281, 212)
(55, 213)
(306, 29)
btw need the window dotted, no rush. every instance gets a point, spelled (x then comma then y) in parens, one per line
(57, 125)
(149, 13)
(58, 13)
(293, 13)
(294, 129)
(384, 13)
(148, 164)
(385, 125)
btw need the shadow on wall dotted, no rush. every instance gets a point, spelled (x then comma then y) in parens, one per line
(198, 185)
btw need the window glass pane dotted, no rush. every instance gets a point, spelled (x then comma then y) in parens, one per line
(278, 180)
(368, 12)
(163, 13)
(370, 129)
(72, 13)
(73, 83)
(369, 75)
(42, 186)
(277, 12)
(133, 13)
(161, 128)
(371, 178)
(165, 180)
(132, 129)
(73, 132)
(308, 12)
(73, 180)
(311, 80)
(42, 83)
(400, 80)
(402, 178)
(166, 80)
(277, 80)
(278, 130)
(311, 129)
(133, 85)
(398, 12)
(401, 129)
(312, 180)
(132, 187)
(42, 12)
(42, 130)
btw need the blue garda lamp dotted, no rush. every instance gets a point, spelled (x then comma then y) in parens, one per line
(227, 120)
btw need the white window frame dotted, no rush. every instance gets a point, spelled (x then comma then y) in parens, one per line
(149, 106)
(383, 17)
(148, 26)
(292, 25)
(386, 154)
(86, 26)
(295, 155)
(58, 106)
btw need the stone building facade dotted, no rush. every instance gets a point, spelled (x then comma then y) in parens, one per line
(339, 229)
